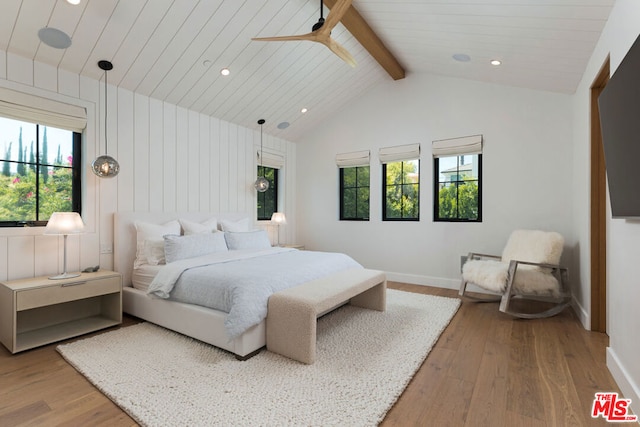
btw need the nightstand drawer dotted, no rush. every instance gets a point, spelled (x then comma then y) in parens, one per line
(67, 291)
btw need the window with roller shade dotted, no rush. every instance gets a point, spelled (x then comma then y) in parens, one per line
(354, 176)
(401, 182)
(40, 156)
(457, 165)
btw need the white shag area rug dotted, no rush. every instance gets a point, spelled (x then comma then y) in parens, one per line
(365, 359)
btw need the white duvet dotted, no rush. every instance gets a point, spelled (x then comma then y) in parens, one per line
(240, 282)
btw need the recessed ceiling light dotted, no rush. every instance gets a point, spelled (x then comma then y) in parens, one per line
(461, 57)
(283, 125)
(73, 1)
(225, 72)
(304, 110)
(206, 63)
(496, 62)
(54, 38)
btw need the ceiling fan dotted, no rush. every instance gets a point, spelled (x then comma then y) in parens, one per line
(321, 31)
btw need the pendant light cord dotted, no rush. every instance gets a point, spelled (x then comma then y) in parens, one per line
(261, 146)
(261, 122)
(106, 151)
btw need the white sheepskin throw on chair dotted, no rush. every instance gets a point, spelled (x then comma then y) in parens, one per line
(492, 276)
(534, 246)
(523, 245)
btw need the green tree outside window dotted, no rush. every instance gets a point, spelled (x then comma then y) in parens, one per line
(354, 193)
(268, 200)
(458, 188)
(401, 190)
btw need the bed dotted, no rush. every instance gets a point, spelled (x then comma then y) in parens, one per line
(197, 321)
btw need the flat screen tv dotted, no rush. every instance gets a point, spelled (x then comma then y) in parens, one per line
(619, 106)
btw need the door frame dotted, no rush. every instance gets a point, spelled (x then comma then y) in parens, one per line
(598, 209)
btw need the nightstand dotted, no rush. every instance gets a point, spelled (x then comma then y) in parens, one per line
(39, 311)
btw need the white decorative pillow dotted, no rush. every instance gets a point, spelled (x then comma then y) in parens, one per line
(191, 227)
(235, 226)
(150, 245)
(193, 245)
(154, 249)
(247, 240)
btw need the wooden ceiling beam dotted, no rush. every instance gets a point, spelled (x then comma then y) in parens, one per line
(360, 29)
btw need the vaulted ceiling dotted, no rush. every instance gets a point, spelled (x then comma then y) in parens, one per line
(174, 50)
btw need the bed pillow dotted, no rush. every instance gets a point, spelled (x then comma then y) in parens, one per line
(193, 245)
(150, 244)
(247, 240)
(191, 227)
(235, 226)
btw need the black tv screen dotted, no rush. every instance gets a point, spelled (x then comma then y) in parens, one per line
(619, 106)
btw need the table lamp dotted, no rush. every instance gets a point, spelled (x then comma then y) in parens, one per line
(278, 218)
(64, 223)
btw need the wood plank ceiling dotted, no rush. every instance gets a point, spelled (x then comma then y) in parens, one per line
(174, 50)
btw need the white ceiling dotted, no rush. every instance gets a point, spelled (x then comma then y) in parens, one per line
(159, 48)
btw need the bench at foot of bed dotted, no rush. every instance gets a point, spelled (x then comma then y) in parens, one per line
(292, 313)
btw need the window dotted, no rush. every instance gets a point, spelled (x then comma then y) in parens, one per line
(354, 193)
(39, 172)
(457, 166)
(268, 200)
(401, 190)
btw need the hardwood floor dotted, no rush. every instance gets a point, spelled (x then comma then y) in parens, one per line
(486, 369)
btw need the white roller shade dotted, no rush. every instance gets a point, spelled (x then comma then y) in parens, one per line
(35, 109)
(356, 158)
(271, 160)
(399, 153)
(457, 146)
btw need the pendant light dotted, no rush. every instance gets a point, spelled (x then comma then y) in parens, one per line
(262, 183)
(105, 166)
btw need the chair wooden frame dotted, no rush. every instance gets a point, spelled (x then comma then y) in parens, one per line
(560, 302)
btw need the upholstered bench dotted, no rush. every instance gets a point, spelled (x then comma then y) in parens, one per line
(292, 313)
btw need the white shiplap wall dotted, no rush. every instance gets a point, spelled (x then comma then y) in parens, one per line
(171, 159)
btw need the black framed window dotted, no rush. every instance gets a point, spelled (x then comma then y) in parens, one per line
(401, 191)
(354, 193)
(268, 200)
(39, 172)
(458, 188)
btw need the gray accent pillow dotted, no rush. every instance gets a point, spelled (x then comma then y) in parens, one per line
(193, 245)
(247, 240)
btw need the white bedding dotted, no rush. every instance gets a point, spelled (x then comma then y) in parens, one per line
(240, 282)
(142, 277)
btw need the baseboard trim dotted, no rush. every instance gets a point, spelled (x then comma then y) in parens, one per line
(582, 314)
(438, 282)
(415, 279)
(629, 389)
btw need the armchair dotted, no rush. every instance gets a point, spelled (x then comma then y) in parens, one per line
(528, 269)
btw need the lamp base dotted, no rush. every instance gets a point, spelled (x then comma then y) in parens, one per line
(64, 276)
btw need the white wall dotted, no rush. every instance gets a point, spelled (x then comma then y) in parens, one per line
(527, 171)
(623, 246)
(171, 159)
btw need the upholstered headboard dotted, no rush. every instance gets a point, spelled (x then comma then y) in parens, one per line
(124, 233)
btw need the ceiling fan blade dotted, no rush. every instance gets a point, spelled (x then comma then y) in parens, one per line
(309, 36)
(335, 15)
(340, 51)
(322, 34)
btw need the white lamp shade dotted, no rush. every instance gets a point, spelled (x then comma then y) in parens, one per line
(64, 223)
(278, 218)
